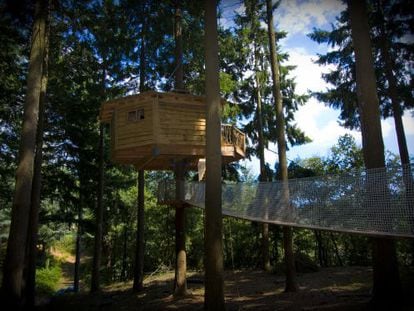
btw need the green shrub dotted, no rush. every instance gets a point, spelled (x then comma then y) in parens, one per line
(47, 280)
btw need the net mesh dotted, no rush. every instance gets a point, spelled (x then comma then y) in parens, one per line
(375, 202)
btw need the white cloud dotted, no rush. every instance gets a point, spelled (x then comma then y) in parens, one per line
(299, 16)
(307, 74)
(408, 121)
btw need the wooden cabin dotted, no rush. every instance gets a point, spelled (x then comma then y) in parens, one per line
(152, 130)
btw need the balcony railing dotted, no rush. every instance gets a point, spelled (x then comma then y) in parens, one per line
(231, 135)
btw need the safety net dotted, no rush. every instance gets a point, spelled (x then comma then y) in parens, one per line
(373, 202)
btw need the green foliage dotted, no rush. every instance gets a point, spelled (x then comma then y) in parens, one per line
(47, 280)
(342, 93)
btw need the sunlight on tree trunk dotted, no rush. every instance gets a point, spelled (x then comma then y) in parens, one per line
(387, 286)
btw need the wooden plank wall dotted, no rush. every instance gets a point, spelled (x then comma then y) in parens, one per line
(137, 133)
(182, 123)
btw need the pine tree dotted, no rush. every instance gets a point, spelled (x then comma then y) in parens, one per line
(387, 287)
(16, 244)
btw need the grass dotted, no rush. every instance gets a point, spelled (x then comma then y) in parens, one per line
(48, 279)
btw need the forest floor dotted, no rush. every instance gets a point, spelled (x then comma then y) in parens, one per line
(340, 288)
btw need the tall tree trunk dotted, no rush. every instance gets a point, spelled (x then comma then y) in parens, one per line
(16, 244)
(213, 244)
(76, 276)
(139, 246)
(397, 113)
(263, 177)
(37, 182)
(392, 89)
(139, 251)
(180, 284)
(97, 252)
(387, 286)
(291, 284)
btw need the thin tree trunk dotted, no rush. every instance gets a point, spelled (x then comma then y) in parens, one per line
(392, 90)
(16, 244)
(37, 183)
(387, 286)
(97, 254)
(179, 71)
(265, 227)
(213, 243)
(291, 284)
(76, 276)
(180, 284)
(124, 253)
(319, 243)
(139, 251)
(397, 114)
(338, 257)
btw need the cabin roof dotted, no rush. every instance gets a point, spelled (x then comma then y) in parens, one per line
(108, 107)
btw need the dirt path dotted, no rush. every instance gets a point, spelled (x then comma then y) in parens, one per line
(329, 289)
(67, 261)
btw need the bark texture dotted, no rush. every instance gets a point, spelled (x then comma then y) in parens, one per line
(387, 286)
(97, 252)
(76, 276)
(214, 286)
(140, 245)
(180, 284)
(291, 283)
(139, 251)
(31, 255)
(16, 244)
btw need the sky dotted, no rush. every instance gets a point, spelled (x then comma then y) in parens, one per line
(320, 123)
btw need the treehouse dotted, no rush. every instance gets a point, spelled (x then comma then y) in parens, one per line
(153, 130)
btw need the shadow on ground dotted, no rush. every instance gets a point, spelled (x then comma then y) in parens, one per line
(329, 289)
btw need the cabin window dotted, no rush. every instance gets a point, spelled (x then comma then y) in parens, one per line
(135, 115)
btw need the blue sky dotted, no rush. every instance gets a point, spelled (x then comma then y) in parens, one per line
(319, 122)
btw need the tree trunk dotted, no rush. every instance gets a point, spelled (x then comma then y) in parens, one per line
(37, 183)
(265, 227)
(139, 247)
(76, 276)
(124, 253)
(397, 114)
(387, 286)
(16, 244)
(139, 251)
(179, 72)
(291, 284)
(213, 244)
(180, 284)
(97, 252)
(392, 89)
